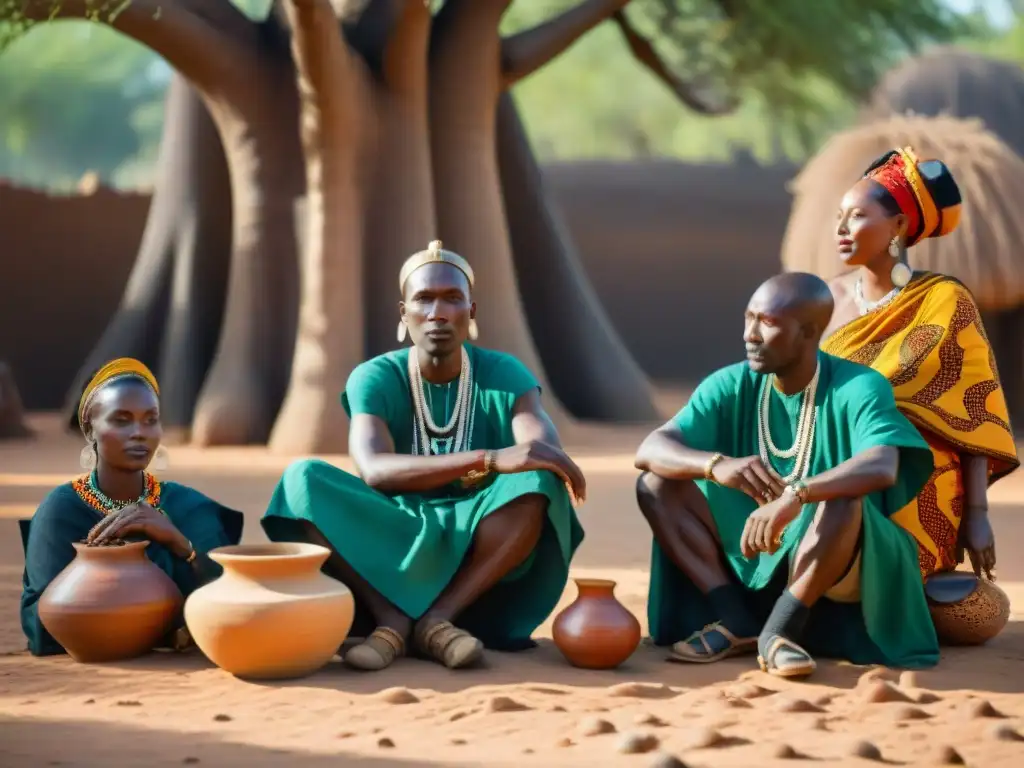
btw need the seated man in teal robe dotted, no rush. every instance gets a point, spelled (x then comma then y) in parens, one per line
(459, 531)
(769, 497)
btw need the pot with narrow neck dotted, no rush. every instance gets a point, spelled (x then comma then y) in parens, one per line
(272, 614)
(596, 631)
(110, 603)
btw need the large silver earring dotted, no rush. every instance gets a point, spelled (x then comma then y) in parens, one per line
(894, 248)
(474, 330)
(160, 459)
(402, 329)
(900, 274)
(87, 458)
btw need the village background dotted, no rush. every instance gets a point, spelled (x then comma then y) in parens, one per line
(675, 218)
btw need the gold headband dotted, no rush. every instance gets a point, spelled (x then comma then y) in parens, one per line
(115, 370)
(434, 254)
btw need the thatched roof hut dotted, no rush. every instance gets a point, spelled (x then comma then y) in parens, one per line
(951, 81)
(984, 251)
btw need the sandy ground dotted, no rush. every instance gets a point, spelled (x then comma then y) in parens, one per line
(527, 709)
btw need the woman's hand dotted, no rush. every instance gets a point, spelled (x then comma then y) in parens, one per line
(142, 520)
(977, 540)
(534, 455)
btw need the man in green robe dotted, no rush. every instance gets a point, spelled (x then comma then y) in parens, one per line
(769, 494)
(459, 530)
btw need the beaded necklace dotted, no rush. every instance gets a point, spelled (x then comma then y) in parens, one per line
(458, 432)
(89, 491)
(804, 440)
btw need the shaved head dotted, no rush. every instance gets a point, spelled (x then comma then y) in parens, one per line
(801, 295)
(785, 319)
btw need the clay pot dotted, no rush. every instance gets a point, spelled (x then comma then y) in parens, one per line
(272, 614)
(596, 631)
(966, 610)
(109, 604)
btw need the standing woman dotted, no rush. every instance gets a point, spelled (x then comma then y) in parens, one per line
(923, 331)
(119, 414)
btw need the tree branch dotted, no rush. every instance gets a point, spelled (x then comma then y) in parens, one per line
(687, 92)
(199, 38)
(525, 52)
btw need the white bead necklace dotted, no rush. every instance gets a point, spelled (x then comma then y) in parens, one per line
(804, 439)
(463, 415)
(863, 305)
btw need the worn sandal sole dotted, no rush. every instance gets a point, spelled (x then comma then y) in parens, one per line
(740, 648)
(797, 669)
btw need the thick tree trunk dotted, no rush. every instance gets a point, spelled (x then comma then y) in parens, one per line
(466, 81)
(201, 217)
(246, 383)
(598, 379)
(329, 343)
(401, 218)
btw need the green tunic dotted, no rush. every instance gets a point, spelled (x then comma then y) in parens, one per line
(409, 546)
(63, 518)
(855, 411)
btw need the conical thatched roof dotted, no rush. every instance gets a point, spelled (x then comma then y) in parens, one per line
(958, 83)
(985, 251)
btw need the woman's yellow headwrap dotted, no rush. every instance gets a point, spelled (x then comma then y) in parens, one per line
(434, 254)
(115, 370)
(924, 190)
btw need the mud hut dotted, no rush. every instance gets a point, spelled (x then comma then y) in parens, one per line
(984, 251)
(951, 81)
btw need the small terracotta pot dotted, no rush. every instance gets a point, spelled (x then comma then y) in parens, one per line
(272, 614)
(109, 604)
(596, 631)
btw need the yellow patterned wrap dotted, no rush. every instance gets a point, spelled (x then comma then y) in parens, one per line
(121, 368)
(929, 342)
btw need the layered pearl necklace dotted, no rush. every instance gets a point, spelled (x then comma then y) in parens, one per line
(458, 432)
(863, 305)
(804, 440)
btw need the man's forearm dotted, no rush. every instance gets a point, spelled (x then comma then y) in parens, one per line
(872, 470)
(402, 473)
(666, 457)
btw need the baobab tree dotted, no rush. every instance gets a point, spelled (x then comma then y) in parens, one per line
(353, 132)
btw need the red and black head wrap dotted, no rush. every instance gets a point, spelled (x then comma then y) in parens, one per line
(923, 190)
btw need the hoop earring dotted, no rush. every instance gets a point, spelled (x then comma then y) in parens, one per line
(402, 330)
(160, 459)
(474, 330)
(900, 273)
(87, 458)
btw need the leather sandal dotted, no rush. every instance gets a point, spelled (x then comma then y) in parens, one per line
(784, 658)
(446, 643)
(687, 651)
(378, 651)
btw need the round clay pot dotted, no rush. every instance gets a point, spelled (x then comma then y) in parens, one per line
(109, 604)
(596, 631)
(272, 614)
(966, 610)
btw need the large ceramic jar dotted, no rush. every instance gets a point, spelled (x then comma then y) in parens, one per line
(272, 614)
(596, 631)
(110, 603)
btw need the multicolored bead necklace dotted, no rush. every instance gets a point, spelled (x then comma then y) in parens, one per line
(89, 491)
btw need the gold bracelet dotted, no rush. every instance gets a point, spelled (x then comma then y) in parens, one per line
(475, 476)
(192, 554)
(709, 468)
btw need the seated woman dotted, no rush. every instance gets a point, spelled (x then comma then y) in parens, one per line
(119, 414)
(464, 510)
(924, 333)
